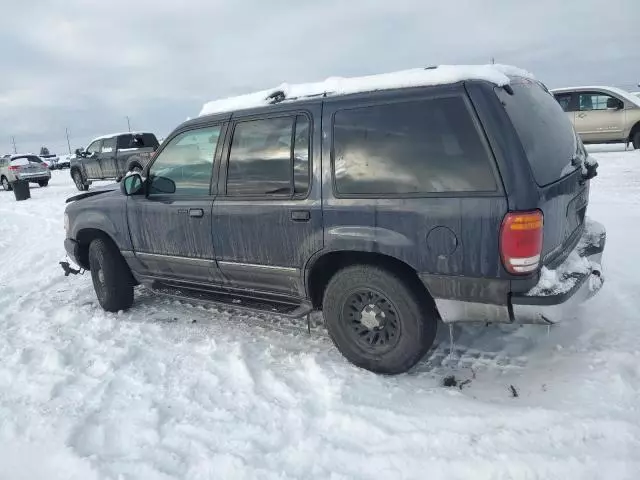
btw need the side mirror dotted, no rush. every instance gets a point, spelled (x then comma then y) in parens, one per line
(614, 104)
(78, 152)
(132, 184)
(162, 185)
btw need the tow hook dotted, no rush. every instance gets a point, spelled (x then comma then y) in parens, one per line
(68, 270)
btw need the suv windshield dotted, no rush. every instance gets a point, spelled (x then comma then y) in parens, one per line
(547, 135)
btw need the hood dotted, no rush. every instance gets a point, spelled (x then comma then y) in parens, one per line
(98, 191)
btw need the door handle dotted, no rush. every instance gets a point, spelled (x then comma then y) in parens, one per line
(300, 215)
(582, 115)
(196, 212)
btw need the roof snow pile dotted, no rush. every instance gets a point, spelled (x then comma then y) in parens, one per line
(417, 77)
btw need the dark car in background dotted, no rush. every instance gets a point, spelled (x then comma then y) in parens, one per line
(389, 208)
(111, 157)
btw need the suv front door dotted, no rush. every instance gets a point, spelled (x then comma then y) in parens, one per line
(170, 226)
(595, 121)
(267, 218)
(107, 158)
(91, 160)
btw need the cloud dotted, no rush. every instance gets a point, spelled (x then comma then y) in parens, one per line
(86, 65)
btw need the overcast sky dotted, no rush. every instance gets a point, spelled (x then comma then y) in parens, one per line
(86, 65)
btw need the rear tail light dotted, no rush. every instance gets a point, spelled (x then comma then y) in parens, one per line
(14, 168)
(521, 241)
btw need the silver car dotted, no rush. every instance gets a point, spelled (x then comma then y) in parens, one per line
(23, 167)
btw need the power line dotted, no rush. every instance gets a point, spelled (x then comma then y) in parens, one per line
(13, 140)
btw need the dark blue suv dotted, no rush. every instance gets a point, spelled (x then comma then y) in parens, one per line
(453, 195)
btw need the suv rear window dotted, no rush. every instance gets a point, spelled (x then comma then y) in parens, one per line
(546, 133)
(406, 148)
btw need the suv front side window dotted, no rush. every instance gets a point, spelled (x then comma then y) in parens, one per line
(262, 161)
(187, 161)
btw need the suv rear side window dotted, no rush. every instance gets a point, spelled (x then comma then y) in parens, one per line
(262, 160)
(425, 146)
(187, 161)
(545, 132)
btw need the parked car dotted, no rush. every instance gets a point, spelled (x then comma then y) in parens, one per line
(23, 167)
(387, 208)
(64, 161)
(51, 159)
(602, 114)
(111, 157)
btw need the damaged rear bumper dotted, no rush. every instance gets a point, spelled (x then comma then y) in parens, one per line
(557, 293)
(573, 282)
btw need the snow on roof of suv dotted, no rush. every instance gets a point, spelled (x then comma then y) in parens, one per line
(617, 91)
(417, 77)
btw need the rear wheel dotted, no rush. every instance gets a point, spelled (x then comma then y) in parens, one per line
(6, 186)
(636, 140)
(112, 279)
(135, 168)
(79, 181)
(43, 183)
(377, 321)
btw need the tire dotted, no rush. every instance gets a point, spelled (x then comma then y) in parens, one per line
(79, 181)
(135, 168)
(391, 347)
(43, 183)
(6, 186)
(112, 279)
(636, 140)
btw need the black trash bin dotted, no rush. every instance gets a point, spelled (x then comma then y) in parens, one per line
(21, 190)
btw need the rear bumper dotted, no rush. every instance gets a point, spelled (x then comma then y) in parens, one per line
(34, 177)
(557, 293)
(573, 282)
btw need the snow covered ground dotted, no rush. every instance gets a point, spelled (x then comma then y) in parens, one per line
(172, 390)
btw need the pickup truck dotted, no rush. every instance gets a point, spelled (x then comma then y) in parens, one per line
(111, 157)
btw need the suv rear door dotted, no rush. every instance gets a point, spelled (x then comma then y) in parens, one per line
(171, 225)
(267, 218)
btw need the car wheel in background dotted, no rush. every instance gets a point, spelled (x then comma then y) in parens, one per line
(636, 140)
(6, 186)
(112, 279)
(43, 183)
(79, 181)
(377, 320)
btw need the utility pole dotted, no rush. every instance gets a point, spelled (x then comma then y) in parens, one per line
(66, 130)
(13, 140)
(128, 123)
(493, 60)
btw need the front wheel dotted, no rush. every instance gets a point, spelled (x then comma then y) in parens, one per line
(79, 181)
(6, 186)
(377, 320)
(112, 279)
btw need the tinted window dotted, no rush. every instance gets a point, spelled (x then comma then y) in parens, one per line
(144, 140)
(410, 147)
(187, 161)
(593, 101)
(301, 156)
(546, 133)
(108, 145)
(260, 157)
(564, 99)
